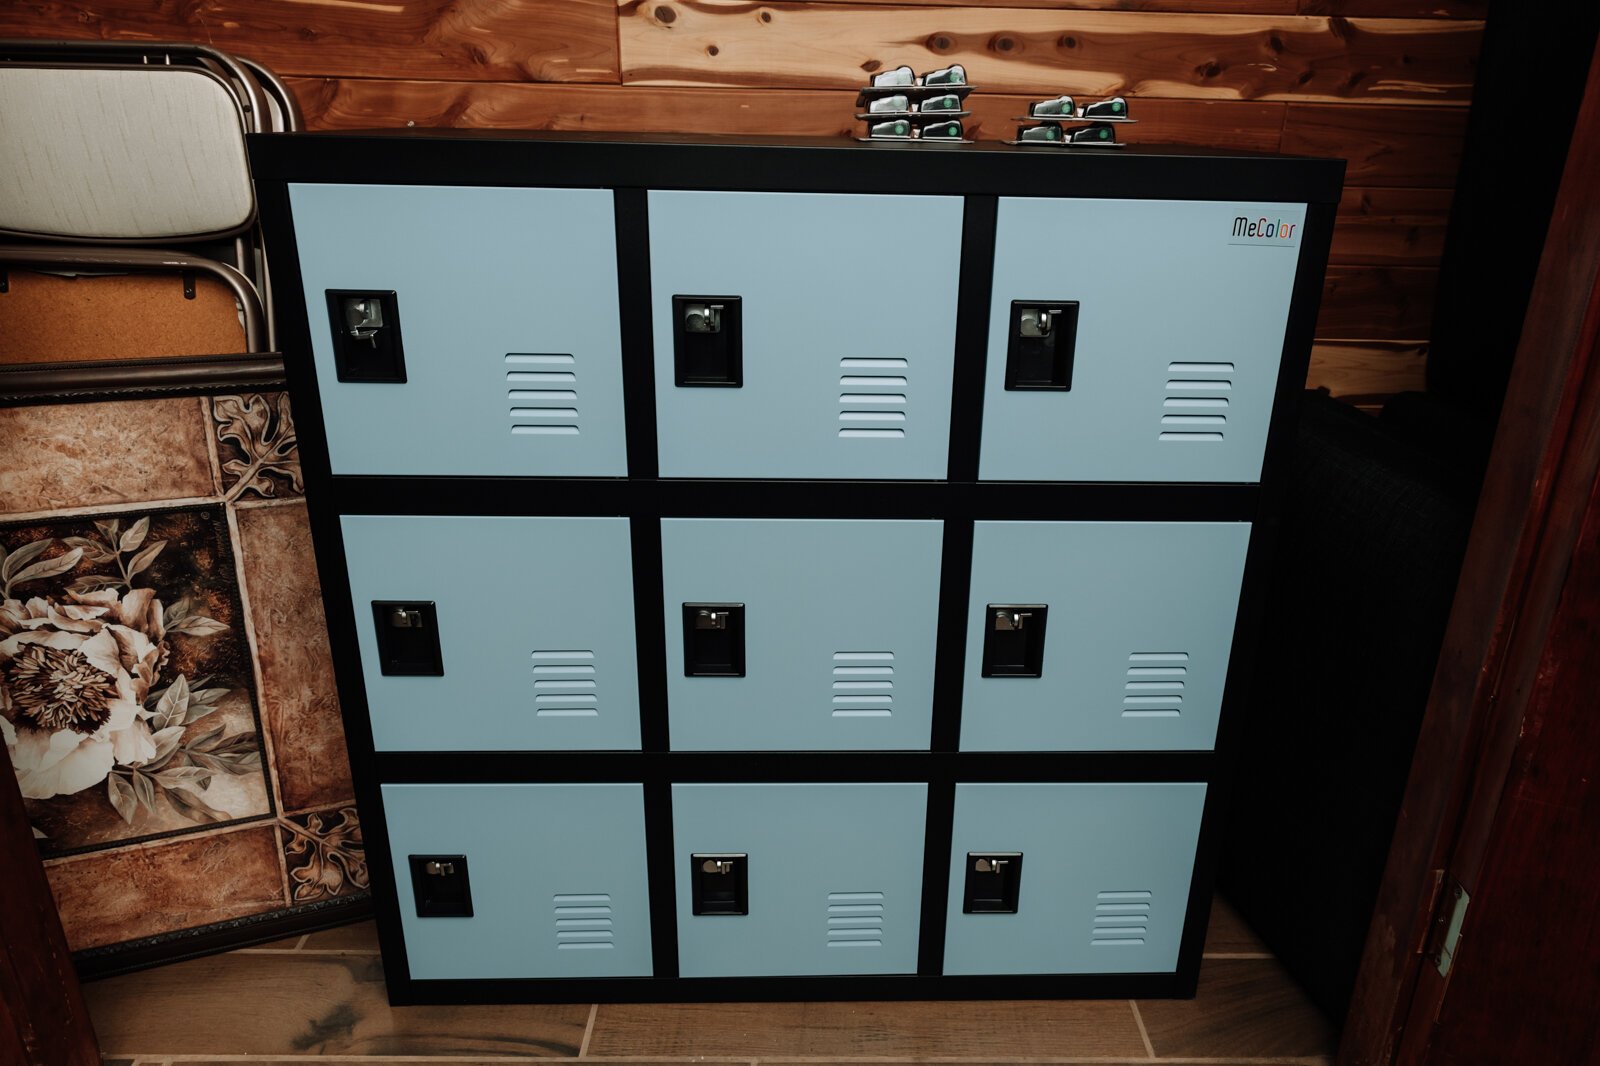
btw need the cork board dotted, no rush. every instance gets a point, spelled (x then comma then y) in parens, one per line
(49, 319)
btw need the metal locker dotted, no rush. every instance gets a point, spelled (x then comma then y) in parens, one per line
(827, 633)
(1156, 356)
(495, 633)
(1096, 877)
(803, 335)
(464, 330)
(1099, 636)
(825, 878)
(501, 880)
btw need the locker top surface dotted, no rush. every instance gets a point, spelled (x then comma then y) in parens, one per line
(788, 164)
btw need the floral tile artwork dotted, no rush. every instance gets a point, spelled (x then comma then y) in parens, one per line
(256, 446)
(127, 696)
(324, 856)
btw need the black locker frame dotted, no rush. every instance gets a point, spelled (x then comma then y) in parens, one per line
(630, 165)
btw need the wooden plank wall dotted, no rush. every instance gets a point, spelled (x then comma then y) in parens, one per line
(1383, 83)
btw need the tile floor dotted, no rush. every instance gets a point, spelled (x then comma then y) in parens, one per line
(320, 998)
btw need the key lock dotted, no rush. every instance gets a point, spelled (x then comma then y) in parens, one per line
(366, 336)
(1013, 639)
(708, 343)
(719, 884)
(992, 883)
(440, 886)
(1043, 337)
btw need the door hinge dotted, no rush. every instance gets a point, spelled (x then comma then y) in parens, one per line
(1448, 918)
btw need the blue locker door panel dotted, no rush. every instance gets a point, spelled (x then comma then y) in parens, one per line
(557, 877)
(835, 878)
(535, 623)
(849, 309)
(1180, 333)
(1137, 637)
(841, 623)
(1105, 876)
(508, 317)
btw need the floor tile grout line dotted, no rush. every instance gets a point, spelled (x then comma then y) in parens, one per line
(1144, 1034)
(301, 943)
(588, 1030)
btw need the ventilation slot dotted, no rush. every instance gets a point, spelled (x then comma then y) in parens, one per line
(1121, 919)
(872, 398)
(863, 684)
(564, 685)
(1195, 410)
(583, 922)
(543, 393)
(1153, 687)
(855, 919)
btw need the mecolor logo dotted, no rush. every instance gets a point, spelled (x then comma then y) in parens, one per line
(1263, 230)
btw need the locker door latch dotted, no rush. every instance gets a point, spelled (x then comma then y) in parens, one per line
(408, 638)
(713, 640)
(720, 884)
(992, 883)
(1041, 344)
(366, 336)
(1013, 639)
(440, 887)
(708, 345)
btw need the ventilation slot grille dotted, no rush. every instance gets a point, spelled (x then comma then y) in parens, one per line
(1195, 410)
(564, 685)
(855, 919)
(543, 390)
(1154, 684)
(863, 684)
(873, 398)
(583, 922)
(1121, 919)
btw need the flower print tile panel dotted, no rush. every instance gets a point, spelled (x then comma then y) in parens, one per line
(256, 446)
(299, 701)
(127, 695)
(103, 455)
(324, 855)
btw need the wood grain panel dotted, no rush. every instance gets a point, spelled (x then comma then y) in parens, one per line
(1383, 303)
(1365, 372)
(1448, 9)
(833, 1031)
(1244, 1008)
(1188, 7)
(472, 40)
(1390, 227)
(310, 1004)
(365, 103)
(797, 45)
(1408, 146)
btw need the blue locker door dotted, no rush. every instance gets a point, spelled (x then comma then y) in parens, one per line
(507, 306)
(1179, 335)
(848, 307)
(556, 876)
(834, 878)
(535, 624)
(1104, 876)
(1138, 633)
(840, 631)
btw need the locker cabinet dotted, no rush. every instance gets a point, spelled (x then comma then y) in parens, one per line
(846, 319)
(549, 880)
(832, 878)
(1102, 883)
(1179, 333)
(533, 622)
(788, 568)
(502, 304)
(838, 626)
(1137, 624)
